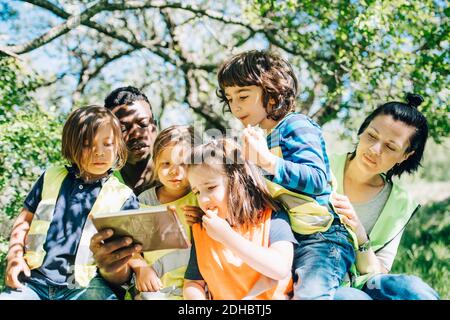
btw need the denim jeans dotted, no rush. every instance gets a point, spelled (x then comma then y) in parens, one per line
(33, 290)
(390, 287)
(321, 261)
(349, 293)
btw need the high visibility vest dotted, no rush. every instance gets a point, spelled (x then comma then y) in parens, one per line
(307, 216)
(227, 276)
(170, 265)
(397, 212)
(111, 198)
(118, 175)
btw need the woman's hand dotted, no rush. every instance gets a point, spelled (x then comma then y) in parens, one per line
(193, 214)
(147, 279)
(216, 227)
(344, 207)
(15, 267)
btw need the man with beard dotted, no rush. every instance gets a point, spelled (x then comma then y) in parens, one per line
(139, 131)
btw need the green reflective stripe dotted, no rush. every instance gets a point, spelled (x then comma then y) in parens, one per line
(44, 211)
(171, 261)
(34, 249)
(84, 274)
(307, 216)
(118, 175)
(111, 198)
(291, 201)
(53, 179)
(39, 227)
(389, 241)
(396, 214)
(33, 242)
(37, 235)
(34, 259)
(337, 164)
(276, 190)
(394, 217)
(312, 213)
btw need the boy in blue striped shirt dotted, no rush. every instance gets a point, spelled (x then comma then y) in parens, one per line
(260, 89)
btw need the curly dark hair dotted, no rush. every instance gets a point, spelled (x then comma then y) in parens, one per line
(408, 114)
(125, 95)
(264, 69)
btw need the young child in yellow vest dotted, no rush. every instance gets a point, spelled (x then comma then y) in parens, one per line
(243, 247)
(160, 274)
(49, 256)
(260, 89)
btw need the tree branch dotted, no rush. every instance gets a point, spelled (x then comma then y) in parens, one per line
(211, 122)
(87, 75)
(84, 19)
(72, 22)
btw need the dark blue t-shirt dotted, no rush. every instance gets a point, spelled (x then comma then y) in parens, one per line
(75, 201)
(280, 230)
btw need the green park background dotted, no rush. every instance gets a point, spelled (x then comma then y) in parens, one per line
(349, 56)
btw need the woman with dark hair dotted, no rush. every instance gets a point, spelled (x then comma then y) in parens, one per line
(391, 141)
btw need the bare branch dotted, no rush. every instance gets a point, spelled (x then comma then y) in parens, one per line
(50, 7)
(129, 5)
(71, 23)
(88, 75)
(211, 121)
(133, 5)
(174, 45)
(313, 93)
(48, 83)
(327, 111)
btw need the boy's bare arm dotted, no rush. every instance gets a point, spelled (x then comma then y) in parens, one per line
(19, 232)
(16, 263)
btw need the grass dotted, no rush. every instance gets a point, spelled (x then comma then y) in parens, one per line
(424, 249)
(423, 252)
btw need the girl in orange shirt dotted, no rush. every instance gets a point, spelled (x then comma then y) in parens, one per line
(243, 247)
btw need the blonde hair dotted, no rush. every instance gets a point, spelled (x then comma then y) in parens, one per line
(82, 125)
(247, 192)
(177, 135)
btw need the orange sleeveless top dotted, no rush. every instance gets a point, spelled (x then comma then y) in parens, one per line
(230, 278)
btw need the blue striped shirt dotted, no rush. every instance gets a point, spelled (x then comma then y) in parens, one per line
(302, 165)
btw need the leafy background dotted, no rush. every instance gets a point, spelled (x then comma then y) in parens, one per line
(349, 55)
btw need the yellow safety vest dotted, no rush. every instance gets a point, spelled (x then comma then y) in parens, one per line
(397, 212)
(307, 216)
(111, 198)
(171, 264)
